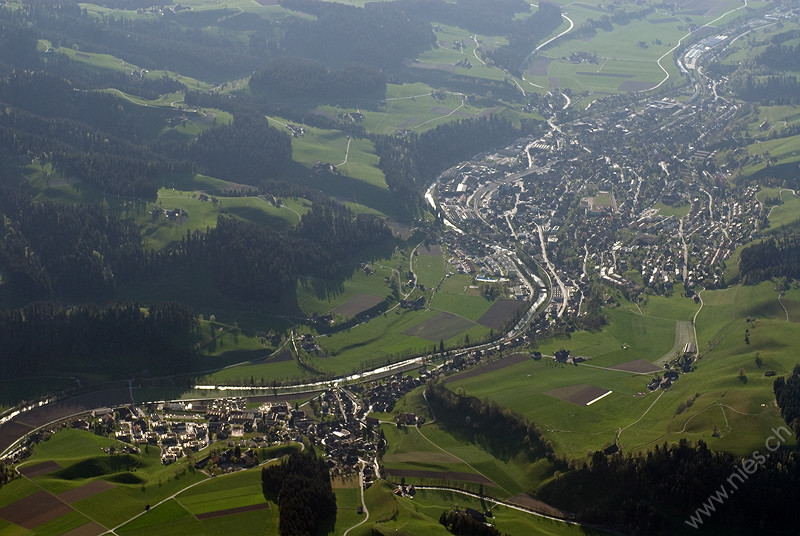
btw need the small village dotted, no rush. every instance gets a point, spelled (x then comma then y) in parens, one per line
(337, 421)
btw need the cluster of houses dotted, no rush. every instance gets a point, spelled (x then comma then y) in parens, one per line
(663, 382)
(663, 211)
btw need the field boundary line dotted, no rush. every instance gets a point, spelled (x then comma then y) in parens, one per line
(459, 458)
(641, 417)
(59, 499)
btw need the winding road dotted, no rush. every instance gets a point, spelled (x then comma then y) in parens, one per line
(680, 41)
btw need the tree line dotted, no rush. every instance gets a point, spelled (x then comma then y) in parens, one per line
(78, 252)
(298, 77)
(248, 150)
(241, 103)
(773, 89)
(787, 395)
(42, 116)
(72, 252)
(410, 161)
(252, 262)
(780, 57)
(463, 524)
(301, 485)
(162, 43)
(772, 257)
(653, 493)
(44, 337)
(496, 429)
(138, 84)
(524, 35)
(381, 34)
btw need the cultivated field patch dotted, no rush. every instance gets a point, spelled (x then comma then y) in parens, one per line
(416, 457)
(512, 359)
(84, 492)
(434, 249)
(441, 475)
(500, 313)
(34, 510)
(234, 511)
(358, 304)
(441, 327)
(639, 365)
(32, 471)
(580, 395)
(523, 499)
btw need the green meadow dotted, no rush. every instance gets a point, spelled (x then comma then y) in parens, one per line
(627, 337)
(390, 515)
(354, 158)
(727, 401)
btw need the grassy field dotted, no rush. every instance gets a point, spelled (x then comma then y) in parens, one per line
(318, 145)
(738, 408)
(627, 337)
(446, 55)
(262, 373)
(420, 516)
(242, 488)
(411, 107)
(626, 56)
(159, 232)
(82, 462)
(319, 296)
(177, 513)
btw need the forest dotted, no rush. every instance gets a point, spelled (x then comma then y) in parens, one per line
(464, 524)
(653, 493)
(148, 44)
(773, 257)
(248, 150)
(774, 89)
(251, 262)
(47, 338)
(495, 428)
(72, 252)
(524, 35)
(301, 485)
(298, 77)
(387, 33)
(787, 396)
(410, 161)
